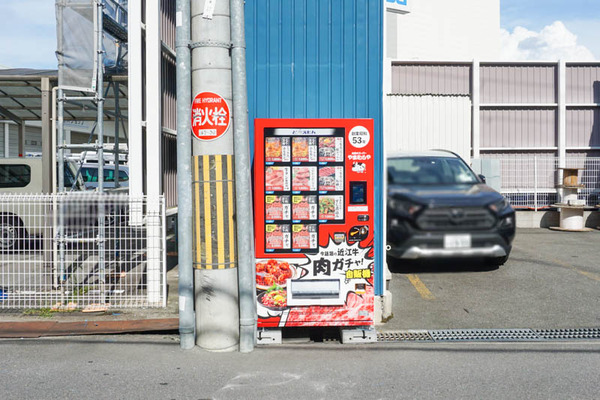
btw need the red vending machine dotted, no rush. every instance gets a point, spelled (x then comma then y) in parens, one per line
(314, 220)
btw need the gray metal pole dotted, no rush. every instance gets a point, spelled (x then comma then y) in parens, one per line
(100, 124)
(60, 99)
(61, 151)
(215, 275)
(47, 145)
(184, 177)
(245, 221)
(117, 153)
(100, 96)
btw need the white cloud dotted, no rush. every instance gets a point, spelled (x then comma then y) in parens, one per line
(552, 43)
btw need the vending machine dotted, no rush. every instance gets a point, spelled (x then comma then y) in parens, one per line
(314, 221)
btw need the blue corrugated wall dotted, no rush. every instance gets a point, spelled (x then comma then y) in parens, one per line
(319, 59)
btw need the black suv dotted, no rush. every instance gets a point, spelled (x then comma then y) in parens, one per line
(438, 207)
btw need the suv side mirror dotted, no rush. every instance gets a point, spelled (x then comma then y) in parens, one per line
(482, 177)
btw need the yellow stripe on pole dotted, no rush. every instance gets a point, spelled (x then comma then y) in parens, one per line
(207, 213)
(220, 212)
(197, 227)
(230, 209)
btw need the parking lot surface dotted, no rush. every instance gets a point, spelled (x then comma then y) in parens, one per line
(551, 281)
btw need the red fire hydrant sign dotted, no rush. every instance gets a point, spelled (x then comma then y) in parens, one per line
(210, 116)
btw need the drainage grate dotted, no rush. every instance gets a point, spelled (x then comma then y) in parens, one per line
(453, 335)
(558, 334)
(489, 335)
(404, 336)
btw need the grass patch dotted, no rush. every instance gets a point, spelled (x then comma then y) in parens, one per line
(40, 312)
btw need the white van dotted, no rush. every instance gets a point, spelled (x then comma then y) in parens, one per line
(21, 219)
(24, 175)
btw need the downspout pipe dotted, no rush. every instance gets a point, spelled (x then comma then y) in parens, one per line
(244, 217)
(187, 317)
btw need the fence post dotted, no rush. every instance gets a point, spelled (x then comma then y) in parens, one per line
(535, 183)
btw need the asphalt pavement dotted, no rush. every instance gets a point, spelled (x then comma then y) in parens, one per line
(551, 281)
(154, 367)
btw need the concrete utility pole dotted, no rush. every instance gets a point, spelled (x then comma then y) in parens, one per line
(216, 288)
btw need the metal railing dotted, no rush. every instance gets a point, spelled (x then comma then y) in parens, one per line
(82, 268)
(530, 182)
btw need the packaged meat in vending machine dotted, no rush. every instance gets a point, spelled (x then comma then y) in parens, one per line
(314, 222)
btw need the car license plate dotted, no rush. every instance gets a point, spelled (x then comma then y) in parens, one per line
(457, 241)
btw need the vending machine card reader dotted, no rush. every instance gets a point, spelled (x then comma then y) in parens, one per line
(314, 207)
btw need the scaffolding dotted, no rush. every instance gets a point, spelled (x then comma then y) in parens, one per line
(91, 43)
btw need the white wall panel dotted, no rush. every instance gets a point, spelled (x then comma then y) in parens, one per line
(445, 30)
(428, 122)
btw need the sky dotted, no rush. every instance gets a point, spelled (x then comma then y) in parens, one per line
(550, 29)
(530, 30)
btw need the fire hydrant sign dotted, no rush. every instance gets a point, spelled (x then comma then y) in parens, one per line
(210, 116)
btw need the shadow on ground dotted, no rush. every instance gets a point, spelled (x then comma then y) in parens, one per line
(440, 266)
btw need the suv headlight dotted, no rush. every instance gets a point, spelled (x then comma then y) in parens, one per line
(500, 205)
(403, 207)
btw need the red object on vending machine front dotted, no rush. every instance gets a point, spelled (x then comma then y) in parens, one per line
(314, 213)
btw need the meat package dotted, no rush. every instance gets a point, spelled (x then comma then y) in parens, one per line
(304, 149)
(277, 208)
(331, 149)
(331, 178)
(277, 179)
(277, 149)
(304, 178)
(304, 236)
(304, 207)
(331, 207)
(277, 237)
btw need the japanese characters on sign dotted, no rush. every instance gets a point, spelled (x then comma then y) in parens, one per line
(348, 263)
(210, 116)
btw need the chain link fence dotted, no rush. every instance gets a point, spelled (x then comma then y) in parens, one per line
(82, 251)
(530, 182)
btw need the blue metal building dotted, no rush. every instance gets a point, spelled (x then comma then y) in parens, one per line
(319, 59)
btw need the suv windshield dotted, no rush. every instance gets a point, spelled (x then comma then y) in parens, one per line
(429, 171)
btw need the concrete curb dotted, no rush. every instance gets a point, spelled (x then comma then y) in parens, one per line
(36, 329)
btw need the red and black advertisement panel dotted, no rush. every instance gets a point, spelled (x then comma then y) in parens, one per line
(313, 201)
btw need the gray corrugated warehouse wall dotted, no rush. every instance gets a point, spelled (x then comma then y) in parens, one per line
(33, 140)
(518, 84)
(434, 79)
(518, 103)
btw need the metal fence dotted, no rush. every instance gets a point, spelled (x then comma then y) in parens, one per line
(82, 251)
(530, 182)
